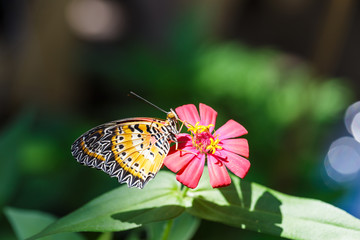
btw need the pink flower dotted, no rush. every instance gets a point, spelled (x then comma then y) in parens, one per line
(221, 149)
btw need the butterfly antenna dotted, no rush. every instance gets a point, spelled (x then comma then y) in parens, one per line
(148, 102)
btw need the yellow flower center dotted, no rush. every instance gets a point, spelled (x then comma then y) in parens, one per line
(199, 128)
(202, 139)
(213, 146)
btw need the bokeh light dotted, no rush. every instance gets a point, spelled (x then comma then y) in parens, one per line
(355, 127)
(342, 163)
(350, 114)
(96, 20)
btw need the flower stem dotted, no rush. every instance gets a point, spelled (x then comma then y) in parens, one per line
(167, 229)
(184, 191)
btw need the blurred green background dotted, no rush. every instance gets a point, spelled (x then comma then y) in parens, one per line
(286, 70)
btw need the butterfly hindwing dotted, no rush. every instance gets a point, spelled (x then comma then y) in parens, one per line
(93, 147)
(132, 150)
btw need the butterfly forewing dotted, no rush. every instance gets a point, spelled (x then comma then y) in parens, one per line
(133, 150)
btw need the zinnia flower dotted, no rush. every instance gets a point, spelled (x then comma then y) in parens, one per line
(221, 149)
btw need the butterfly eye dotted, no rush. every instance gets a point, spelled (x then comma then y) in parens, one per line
(171, 115)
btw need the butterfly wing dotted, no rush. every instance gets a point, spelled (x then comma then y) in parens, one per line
(133, 150)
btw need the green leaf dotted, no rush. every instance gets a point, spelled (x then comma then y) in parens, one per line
(124, 208)
(181, 228)
(242, 204)
(255, 207)
(184, 227)
(26, 223)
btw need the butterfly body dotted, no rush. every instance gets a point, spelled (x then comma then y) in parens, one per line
(132, 150)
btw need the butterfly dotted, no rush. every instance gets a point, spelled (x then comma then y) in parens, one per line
(132, 149)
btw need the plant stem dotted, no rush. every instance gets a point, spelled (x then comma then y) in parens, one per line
(171, 221)
(184, 191)
(167, 229)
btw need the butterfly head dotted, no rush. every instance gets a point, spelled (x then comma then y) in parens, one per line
(172, 115)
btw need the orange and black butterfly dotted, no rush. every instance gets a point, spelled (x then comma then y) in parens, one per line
(132, 149)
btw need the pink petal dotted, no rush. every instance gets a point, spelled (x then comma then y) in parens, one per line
(238, 145)
(188, 113)
(184, 140)
(191, 174)
(179, 159)
(207, 115)
(230, 129)
(235, 163)
(219, 176)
